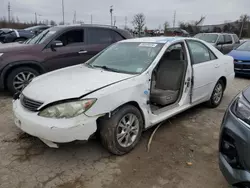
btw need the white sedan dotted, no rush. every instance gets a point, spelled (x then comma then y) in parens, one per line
(125, 89)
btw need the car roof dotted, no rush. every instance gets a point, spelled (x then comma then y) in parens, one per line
(85, 25)
(158, 39)
(219, 33)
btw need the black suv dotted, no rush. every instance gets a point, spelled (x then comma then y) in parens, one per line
(54, 48)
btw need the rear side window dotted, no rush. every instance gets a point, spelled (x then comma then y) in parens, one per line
(199, 52)
(236, 39)
(228, 39)
(99, 36)
(72, 37)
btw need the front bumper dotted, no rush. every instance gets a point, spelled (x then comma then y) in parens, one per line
(53, 130)
(242, 68)
(240, 134)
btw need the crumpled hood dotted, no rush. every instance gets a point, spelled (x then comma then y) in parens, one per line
(240, 55)
(14, 46)
(72, 82)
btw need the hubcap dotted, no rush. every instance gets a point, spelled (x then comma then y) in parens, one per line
(217, 93)
(22, 79)
(127, 130)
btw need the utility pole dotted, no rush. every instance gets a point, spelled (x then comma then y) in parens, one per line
(174, 18)
(114, 20)
(126, 20)
(63, 10)
(35, 18)
(91, 19)
(9, 11)
(74, 19)
(111, 14)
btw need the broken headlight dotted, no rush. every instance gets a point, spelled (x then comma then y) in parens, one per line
(67, 109)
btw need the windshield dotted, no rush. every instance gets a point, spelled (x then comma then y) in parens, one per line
(245, 46)
(211, 38)
(40, 38)
(127, 57)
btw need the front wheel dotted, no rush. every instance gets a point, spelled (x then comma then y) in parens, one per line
(217, 95)
(122, 131)
(19, 78)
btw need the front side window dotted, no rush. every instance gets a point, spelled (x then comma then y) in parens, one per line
(221, 40)
(99, 36)
(127, 57)
(228, 39)
(199, 52)
(72, 37)
(236, 39)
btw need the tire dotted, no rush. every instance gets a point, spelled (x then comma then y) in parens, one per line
(20, 40)
(213, 101)
(110, 127)
(12, 78)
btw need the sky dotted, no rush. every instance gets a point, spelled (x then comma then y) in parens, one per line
(156, 11)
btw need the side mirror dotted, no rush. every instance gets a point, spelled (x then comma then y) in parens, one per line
(56, 44)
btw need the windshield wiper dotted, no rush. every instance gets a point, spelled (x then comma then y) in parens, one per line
(106, 68)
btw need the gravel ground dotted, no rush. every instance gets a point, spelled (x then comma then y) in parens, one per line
(190, 137)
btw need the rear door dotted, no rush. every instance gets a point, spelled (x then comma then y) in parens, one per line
(71, 53)
(97, 40)
(205, 70)
(228, 46)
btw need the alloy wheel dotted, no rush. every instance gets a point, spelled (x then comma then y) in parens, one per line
(218, 91)
(127, 130)
(22, 79)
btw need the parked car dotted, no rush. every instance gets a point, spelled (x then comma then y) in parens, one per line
(241, 57)
(20, 35)
(54, 48)
(132, 85)
(234, 157)
(177, 32)
(225, 42)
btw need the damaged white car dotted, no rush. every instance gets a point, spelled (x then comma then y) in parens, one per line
(125, 89)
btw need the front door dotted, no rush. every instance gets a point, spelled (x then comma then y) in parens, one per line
(71, 53)
(205, 70)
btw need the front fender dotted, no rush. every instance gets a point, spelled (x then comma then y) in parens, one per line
(133, 90)
(5, 70)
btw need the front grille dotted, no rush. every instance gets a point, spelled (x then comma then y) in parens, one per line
(30, 104)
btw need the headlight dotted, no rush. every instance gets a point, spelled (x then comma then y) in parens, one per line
(67, 109)
(1, 54)
(241, 109)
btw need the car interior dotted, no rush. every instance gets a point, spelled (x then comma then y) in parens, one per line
(168, 78)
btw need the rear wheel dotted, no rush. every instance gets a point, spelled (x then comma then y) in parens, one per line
(217, 95)
(19, 78)
(122, 131)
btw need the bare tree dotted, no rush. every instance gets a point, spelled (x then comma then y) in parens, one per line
(139, 23)
(165, 26)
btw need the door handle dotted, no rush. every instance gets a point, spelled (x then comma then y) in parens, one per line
(83, 52)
